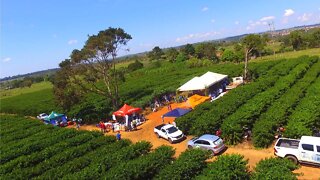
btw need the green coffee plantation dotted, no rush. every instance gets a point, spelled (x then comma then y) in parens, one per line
(32, 150)
(285, 94)
(139, 89)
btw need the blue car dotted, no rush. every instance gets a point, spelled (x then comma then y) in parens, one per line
(207, 142)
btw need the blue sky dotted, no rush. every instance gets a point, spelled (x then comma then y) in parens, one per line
(38, 34)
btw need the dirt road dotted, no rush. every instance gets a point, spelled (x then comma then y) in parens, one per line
(145, 132)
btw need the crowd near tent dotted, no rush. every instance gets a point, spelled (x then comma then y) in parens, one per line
(129, 115)
(56, 119)
(203, 82)
(176, 112)
(195, 100)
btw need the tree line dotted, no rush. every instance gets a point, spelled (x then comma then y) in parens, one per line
(26, 81)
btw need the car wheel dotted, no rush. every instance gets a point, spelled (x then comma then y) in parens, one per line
(190, 147)
(293, 159)
(170, 141)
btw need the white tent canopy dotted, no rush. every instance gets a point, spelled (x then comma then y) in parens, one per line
(202, 82)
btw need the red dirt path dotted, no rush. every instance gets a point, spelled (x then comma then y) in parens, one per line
(145, 132)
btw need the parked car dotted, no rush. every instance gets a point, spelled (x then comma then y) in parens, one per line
(42, 116)
(169, 132)
(305, 150)
(208, 142)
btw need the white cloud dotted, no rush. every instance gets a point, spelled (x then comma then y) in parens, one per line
(267, 18)
(213, 20)
(236, 22)
(305, 17)
(6, 59)
(197, 36)
(72, 41)
(288, 12)
(204, 9)
(261, 22)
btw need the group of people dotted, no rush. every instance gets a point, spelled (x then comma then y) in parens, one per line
(166, 99)
(77, 122)
(103, 127)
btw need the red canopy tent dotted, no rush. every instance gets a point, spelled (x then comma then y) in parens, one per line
(126, 110)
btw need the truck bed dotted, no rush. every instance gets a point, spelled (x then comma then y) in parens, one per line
(160, 126)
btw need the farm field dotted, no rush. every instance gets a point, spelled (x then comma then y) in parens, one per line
(262, 105)
(150, 90)
(280, 91)
(25, 90)
(292, 54)
(139, 89)
(68, 154)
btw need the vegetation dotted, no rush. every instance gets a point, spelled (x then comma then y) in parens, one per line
(155, 54)
(19, 91)
(263, 105)
(135, 66)
(200, 120)
(94, 64)
(48, 152)
(276, 115)
(226, 167)
(251, 43)
(306, 115)
(274, 168)
(31, 103)
(246, 115)
(188, 165)
(25, 81)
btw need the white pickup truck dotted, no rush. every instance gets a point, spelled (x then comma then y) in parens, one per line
(306, 150)
(169, 132)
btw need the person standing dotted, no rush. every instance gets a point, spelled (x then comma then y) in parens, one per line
(174, 124)
(118, 136)
(102, 127)
(77, 125)
(218, 132)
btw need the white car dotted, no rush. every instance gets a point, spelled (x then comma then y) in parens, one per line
(208, 142)
(42, 116)
(169, 132)
(305, 150)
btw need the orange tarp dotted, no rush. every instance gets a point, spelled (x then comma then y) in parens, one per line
(195, 100)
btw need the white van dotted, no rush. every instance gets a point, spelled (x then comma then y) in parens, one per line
(305, 150)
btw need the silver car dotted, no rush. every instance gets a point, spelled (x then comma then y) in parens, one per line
(208, 142)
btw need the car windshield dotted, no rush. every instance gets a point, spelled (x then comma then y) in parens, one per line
(217, 142)
(172, 130)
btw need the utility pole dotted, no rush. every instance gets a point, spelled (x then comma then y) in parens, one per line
(271, 30)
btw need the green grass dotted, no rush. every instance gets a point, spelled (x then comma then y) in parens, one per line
(31, 103)
(20, 91)
(292, 54)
